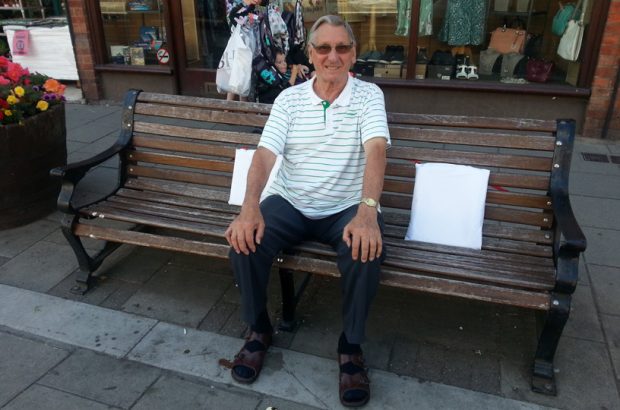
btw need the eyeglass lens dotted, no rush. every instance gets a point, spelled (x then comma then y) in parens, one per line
(326, 48)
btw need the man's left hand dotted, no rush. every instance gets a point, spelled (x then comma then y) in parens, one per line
(363, 235)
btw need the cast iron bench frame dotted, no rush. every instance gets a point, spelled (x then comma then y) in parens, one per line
(173, 181)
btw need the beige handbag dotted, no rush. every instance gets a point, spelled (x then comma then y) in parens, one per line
(508, 40)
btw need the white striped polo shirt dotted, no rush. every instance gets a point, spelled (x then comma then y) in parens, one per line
(323, 167)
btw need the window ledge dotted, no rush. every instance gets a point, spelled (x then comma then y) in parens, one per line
(484, 86)
(142, 69)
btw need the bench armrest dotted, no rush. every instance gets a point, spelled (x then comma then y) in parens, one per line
(574, 240)
(71, 174)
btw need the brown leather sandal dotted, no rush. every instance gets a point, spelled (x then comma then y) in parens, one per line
(251, 356)
(356, 382)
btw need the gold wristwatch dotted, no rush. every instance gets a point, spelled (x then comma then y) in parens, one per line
(370, 202)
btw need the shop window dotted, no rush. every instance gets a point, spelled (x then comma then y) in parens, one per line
(381, 28)
(500, 41)
(133, 30)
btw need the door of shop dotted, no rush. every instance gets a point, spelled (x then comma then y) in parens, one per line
(201, 34)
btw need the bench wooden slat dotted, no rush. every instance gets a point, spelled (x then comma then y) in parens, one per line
(200, 114)
(196, 133)
(493, 196)
(495, 179)
(180, 161)
(524, 162)
(499, 231)
(166, 144)
(180, 176)
(474, 138)
(472, 122)
(171, 199)
(204, 103)
(177, 189)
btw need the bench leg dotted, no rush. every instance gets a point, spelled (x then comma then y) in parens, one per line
(543, 380)
(87, 264)
(290, 298)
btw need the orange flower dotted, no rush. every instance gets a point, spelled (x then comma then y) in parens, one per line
(53, 86)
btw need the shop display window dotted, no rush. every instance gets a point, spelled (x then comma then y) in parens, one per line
(134, 31)
(381, 28)
(499, 41)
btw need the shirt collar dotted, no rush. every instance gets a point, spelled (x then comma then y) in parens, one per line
(342, 100)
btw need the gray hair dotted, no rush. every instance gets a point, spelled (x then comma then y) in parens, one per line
(332, 20)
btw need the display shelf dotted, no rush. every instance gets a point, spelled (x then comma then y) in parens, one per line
(26, 5)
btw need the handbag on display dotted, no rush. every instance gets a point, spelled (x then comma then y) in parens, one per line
(538, 71)
(509, 64)
(570, 43)
(566, 13)
(508, 40)
(488, 61)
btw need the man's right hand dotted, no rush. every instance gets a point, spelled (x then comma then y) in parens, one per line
(246, 230)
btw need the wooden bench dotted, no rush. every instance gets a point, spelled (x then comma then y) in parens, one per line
(176, 160)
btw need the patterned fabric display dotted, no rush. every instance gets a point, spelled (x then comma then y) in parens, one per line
(278, 28)
(464, 23)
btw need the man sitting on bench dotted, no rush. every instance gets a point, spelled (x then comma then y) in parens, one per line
(332, 132)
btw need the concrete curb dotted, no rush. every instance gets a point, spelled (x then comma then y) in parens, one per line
(287, 374)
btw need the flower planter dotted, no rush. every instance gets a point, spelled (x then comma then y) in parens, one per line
(27, 153)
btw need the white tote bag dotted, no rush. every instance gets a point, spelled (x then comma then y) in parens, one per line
(570, 43)
(234, 73)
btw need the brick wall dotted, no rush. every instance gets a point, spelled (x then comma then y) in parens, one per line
(83, 49)
(604, 81)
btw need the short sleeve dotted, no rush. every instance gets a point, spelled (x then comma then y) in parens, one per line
(374, 117)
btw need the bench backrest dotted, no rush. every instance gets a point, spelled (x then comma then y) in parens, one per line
(187, 145)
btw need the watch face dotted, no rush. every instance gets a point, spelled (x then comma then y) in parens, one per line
(370, 202)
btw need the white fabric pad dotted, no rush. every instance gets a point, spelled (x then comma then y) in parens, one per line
(243, 160)
(448, 205)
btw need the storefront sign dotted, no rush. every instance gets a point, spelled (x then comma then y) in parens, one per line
(163, 56)
(21, 42)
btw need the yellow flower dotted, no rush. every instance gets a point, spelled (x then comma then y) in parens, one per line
(8, 113)
(19, 91)
(12, 100)
(42, 105)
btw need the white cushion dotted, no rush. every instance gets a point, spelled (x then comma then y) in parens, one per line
(448, 205)
(243, 160)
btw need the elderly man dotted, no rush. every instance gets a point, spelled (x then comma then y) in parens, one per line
(332, 132)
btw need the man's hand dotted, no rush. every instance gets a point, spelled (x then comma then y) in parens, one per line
(246, 231)
(363, 235)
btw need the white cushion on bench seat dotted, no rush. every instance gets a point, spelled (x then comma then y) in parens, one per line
(448, 205)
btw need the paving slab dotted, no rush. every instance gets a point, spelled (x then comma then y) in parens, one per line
(88, 133)
(22, 362)
(178, 295)
(294, 375)
(602, 247)
(75, 323)
(606, 186)
(40, 267)
(584, 378)
(79, 114)
(39, 397)
(15, 241)
(102, 143)
(611, 325)
(596, 212)
(102, 378)
(606, 285)
(583, 322)
(173, 392)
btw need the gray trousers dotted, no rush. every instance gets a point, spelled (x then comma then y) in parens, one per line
(285, 227)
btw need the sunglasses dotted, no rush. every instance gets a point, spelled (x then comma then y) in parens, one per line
(325, 49)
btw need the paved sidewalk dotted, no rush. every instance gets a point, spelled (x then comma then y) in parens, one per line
(152, 333)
